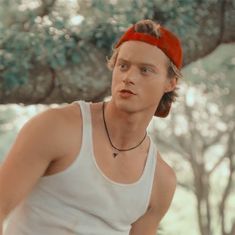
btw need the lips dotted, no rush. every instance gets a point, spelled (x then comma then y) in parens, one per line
(127, 91)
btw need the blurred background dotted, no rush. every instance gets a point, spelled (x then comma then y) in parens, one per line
(53, 52)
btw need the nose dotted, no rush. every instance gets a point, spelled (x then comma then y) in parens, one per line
(129, 76)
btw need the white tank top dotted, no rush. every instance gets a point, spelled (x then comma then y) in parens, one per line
(81, 200)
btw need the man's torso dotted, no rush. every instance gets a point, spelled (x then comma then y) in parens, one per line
(126, 168)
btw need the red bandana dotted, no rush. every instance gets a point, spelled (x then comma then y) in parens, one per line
(167, 42)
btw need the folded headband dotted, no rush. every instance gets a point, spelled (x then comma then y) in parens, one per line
(167, 42)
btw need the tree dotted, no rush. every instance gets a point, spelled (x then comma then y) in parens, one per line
(46, 58)
(201, 131)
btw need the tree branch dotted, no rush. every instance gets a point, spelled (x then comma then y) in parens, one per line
(232, 229)
(216, 164)
(173, 147)
(229, 154)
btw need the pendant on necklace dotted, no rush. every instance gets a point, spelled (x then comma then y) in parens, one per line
(115, 155)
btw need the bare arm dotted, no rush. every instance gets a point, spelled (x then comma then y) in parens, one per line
(36, 146)
(1, 225)
(162, 195)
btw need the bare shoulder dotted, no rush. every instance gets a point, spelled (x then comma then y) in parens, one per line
(64, 113)
(50, 129)
(63, 125)
(164, 187)
(166, 174)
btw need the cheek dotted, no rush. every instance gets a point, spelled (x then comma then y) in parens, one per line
(116, 75)
(155, 89)
(114, 79)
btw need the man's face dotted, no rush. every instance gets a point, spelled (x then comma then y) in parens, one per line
(140, 77)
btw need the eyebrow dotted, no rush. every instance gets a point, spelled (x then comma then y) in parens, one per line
(145, 64)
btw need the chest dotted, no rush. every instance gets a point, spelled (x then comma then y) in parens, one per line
(127, 167)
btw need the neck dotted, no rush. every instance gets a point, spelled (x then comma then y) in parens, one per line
(125, 129)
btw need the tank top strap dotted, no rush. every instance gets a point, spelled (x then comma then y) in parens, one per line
(86, 126)
(86, 114)
(149, 172)
(151, 155)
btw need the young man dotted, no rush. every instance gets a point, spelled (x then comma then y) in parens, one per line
(90, 168)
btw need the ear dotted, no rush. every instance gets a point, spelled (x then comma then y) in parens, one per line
(170, 84)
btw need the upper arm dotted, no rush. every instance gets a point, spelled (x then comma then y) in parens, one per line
(161, 198)
(35, 146)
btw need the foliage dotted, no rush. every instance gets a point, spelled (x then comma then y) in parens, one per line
(48, 43)
(30, 37)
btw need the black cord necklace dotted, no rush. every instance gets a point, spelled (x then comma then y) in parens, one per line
(110, 141)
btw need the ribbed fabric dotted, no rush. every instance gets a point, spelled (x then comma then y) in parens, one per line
(81, 200)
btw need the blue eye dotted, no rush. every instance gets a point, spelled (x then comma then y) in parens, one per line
(146, 70)
(122, 66)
